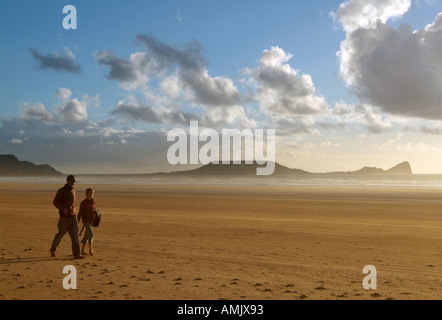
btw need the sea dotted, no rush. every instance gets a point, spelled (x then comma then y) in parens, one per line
(415, 181)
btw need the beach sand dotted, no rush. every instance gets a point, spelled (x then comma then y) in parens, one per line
(221, 242)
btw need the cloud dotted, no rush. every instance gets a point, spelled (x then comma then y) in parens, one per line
(221, 117)
(374, 122)
(74, 111)
(84, 147)
(282, 90)
(38, 134)
(436, 130)
(57, 62)
(345, 115)
(210, 91)
(39, 112)
(132, 72)
(178, 15)
(211, 117)
(287, 99)
(188, 56)
(192, 72)
(67, 110)
(161, 58)
(415, 147)
(355, 14)
(397, 70)
(171, 76)
(142, 112)
(63, 94)
(289, 125)
(16, 141)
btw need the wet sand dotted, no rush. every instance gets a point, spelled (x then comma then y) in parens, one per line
(220, 242)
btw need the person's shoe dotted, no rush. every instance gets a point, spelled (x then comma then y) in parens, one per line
(79, 257)
(52, 253)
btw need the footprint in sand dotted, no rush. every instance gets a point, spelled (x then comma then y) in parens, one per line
(320, 288)
(344, 295)
(144, 279)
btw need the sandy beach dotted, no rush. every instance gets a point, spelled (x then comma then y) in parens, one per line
(221, 242)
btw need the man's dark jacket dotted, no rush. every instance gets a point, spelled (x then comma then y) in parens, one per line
(65, 199)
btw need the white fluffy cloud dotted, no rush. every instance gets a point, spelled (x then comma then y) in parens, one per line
(74, 111)
(355, 14)
(63, 94)
(282, 90)
(67, 110)
(397, 70)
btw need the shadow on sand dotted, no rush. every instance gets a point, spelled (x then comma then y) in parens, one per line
(35, 259)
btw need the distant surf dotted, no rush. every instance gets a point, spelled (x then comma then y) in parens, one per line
(419, 181)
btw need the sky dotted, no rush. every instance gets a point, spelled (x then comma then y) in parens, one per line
(345, 84)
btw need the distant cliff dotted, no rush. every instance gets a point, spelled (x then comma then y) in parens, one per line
(10, 166)
(244, 169)
(403, 168)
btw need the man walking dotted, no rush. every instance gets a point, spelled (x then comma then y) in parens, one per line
(65, 202)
